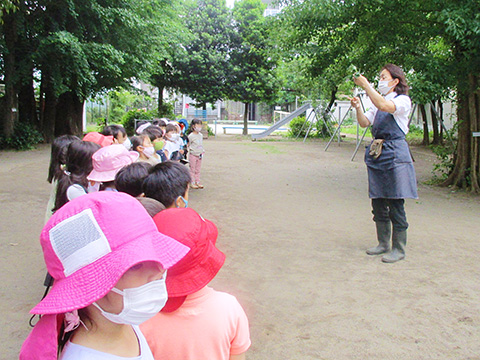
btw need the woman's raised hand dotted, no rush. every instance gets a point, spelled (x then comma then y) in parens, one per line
(361, 81)
(355, 102)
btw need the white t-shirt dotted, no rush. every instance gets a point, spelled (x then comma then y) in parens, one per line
(403, 105)
(73, 351)
(171, 147)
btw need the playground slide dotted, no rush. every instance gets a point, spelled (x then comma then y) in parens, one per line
(282, 122)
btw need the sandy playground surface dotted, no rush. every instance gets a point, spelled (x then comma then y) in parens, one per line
(294, 222)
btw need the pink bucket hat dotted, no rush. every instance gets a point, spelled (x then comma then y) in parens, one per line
(91, 241)
(201, 264)
(108, 160)
(96, 137)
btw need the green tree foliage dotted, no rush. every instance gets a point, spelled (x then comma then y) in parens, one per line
(252, 78)
(436, 41)
(76, 49)
(202, 62)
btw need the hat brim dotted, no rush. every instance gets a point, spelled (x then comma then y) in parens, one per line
(94, 281)
(173, 303)
(195, 278)
(109, 175)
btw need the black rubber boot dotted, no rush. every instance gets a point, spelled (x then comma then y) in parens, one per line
(384, 231)
(399, 240)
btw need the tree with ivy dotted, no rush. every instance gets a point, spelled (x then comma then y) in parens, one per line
(78, 49)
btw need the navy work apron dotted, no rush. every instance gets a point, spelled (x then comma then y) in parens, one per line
(392, 175)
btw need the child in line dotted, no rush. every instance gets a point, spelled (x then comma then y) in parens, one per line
(57, 158)
(145, 148)
(155, 133)
(172, 145)
(119, 135)
(196, 152)
(197, 322)
(108, 261)
(73, 182)
(107, 162)
(168, 183)
(130, 178)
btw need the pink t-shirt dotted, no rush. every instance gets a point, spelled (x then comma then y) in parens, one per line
(210, 325)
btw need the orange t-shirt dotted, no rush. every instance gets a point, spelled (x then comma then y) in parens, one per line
(210, 325)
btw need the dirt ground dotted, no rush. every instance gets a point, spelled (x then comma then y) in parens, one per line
(294, 222)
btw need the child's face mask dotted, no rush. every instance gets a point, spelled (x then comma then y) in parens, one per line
(159, 144)
(140, 303)
(149, 151)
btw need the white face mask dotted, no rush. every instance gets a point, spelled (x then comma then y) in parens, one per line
(149, 151)
(175, 137)
(93, 188)
(140, 303)
(198, 128)
(383, 87)
(127, 143)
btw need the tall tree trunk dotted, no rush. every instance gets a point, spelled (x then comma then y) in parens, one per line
(435, 124)
(426, 140)
(245, 120)
(466, 157)
(49, 108)
(27, 106)
(10, 102)
(69, 115)
(333, 96)
(440, 112)
(160, 101)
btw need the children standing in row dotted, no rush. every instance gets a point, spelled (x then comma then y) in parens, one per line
(219, 328)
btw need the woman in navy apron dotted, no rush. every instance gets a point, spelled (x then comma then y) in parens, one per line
(391, 176)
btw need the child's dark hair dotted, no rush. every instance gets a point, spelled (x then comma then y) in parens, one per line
(78, 164)
(166, 182)
(196, 122)
(57, 156)
(137, 141)
(114, 130)
(171, 127)
(130, 178)
(153, 132)
(152, 206)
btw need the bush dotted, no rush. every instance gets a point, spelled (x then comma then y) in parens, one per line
(24, 137)
(298, 127)
(166, 110)
(128, 120)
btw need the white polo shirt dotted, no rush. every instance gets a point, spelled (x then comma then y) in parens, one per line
(403, 105)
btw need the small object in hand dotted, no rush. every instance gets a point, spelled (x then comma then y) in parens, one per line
(357, 74)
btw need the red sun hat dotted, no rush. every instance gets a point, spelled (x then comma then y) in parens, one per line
(96, 137)
(202, 262)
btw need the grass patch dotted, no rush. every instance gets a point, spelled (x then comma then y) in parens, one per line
(268, 148)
